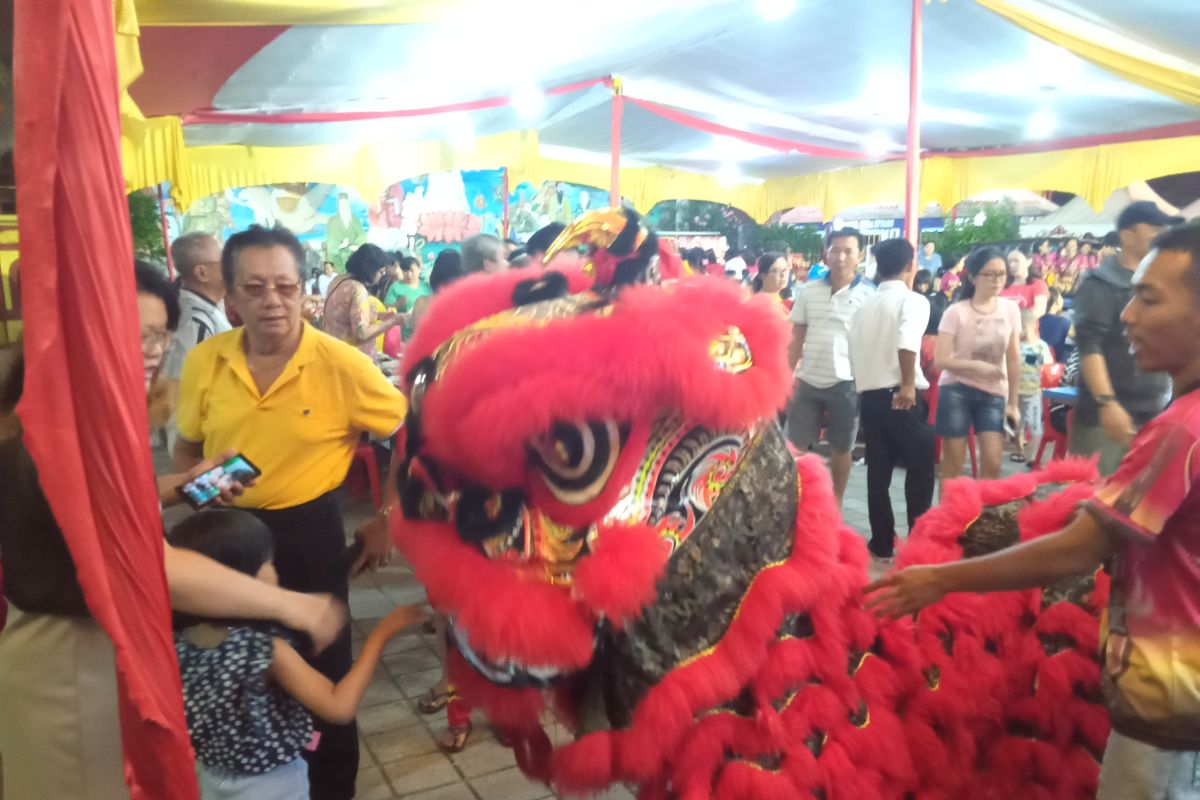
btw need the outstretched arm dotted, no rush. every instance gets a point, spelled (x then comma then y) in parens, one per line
(201, 586)
(1076, 549)
(338, 703)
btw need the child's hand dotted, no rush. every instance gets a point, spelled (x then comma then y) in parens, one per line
(401, 618)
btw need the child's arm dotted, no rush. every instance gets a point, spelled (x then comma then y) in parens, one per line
(338, 703)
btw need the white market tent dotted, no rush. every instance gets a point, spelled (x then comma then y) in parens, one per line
(1077, 217)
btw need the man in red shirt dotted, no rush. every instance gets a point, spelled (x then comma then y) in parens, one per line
(1146, 518)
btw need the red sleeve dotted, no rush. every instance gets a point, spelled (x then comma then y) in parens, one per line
(1155, 477)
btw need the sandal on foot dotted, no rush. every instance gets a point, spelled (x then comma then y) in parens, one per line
(433, 701)
(455, 738)
(1017, 458)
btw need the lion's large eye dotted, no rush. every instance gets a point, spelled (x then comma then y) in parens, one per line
(577, 458)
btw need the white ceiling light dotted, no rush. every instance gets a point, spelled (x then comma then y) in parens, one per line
(1041, 124)
(528, 101)
(775, 10)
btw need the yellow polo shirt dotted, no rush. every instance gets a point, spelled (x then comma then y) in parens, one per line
(303, 431)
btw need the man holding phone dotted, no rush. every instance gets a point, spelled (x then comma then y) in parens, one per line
(295, 402)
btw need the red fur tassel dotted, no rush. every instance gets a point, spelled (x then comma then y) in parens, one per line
(518, 709)
(618, 579)
(491, 600)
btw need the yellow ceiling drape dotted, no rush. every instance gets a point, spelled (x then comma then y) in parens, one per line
(296, 12)
(1091, 172)
(1142, 65)
(129, 68)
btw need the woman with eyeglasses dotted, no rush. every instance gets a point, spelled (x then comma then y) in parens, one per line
(978, 354)
(349, 313)
(772, 278)
(295, 401)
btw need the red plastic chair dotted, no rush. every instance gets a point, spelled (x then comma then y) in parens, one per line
(364, 454)
(1052, 376)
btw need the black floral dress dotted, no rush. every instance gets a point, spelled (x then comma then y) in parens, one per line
(238, 718)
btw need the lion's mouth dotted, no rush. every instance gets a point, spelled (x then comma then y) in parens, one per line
(511, 674)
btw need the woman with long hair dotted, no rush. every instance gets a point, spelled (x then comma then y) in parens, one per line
(349, 313)
(978, 354)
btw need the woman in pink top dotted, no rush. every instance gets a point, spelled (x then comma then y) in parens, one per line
(977, 353)
(1029, 293)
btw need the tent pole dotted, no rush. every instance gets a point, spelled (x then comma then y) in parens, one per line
(618, 109)
(162, 219)
(504, 221)
(912, 152)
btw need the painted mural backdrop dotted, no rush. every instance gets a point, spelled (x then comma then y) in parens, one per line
(329, 220)
(532, 207)
(424, 215)
(421, 216)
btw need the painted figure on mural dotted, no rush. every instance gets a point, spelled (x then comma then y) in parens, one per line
(295, 206)
(343, 234)
(522, 222)
(209, 215)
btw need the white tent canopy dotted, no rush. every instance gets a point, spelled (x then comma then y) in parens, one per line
(1077, 217)
(831, 74)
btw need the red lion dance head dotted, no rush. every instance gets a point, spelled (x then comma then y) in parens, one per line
(598, 497)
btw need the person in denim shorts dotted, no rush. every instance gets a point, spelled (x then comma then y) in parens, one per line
(977, 353)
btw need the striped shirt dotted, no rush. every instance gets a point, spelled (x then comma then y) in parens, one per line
(199, 318)
(826, 316)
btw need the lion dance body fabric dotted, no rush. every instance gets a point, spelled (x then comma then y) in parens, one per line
(598, 497)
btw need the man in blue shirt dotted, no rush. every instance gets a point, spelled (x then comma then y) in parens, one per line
(929, 259)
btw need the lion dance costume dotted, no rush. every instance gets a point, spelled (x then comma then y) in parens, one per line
(598, 497)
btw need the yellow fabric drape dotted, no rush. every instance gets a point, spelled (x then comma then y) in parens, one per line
(295, 12)
(129, 68)
(336, 12)
(1159, 72)
(1091, 172)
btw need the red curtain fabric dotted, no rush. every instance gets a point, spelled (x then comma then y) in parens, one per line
(84, 406)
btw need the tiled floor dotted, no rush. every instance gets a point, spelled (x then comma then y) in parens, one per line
(399, 751)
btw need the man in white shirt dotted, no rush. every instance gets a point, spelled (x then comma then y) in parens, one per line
(321, 283)
(197, 259)
(824, 394)
(885, 349)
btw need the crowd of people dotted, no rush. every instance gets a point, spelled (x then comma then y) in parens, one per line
(256, 357)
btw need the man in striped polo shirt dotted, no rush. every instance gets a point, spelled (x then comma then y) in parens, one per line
(197, 259)
(824, 395)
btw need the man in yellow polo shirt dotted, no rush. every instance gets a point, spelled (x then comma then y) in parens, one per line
(294, 401)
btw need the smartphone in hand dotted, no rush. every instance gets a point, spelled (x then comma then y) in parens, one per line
(204, 490)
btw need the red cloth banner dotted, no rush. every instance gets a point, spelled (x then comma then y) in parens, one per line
(771, 142)
(84, 405)
(211, 117)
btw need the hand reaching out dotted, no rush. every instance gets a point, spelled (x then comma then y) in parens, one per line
(899, 594)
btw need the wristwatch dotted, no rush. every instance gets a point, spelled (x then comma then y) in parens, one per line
(1105, 399)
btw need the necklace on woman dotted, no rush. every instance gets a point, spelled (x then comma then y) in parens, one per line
(983, 311)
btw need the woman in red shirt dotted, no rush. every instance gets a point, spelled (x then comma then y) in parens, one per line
(1028, 292)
